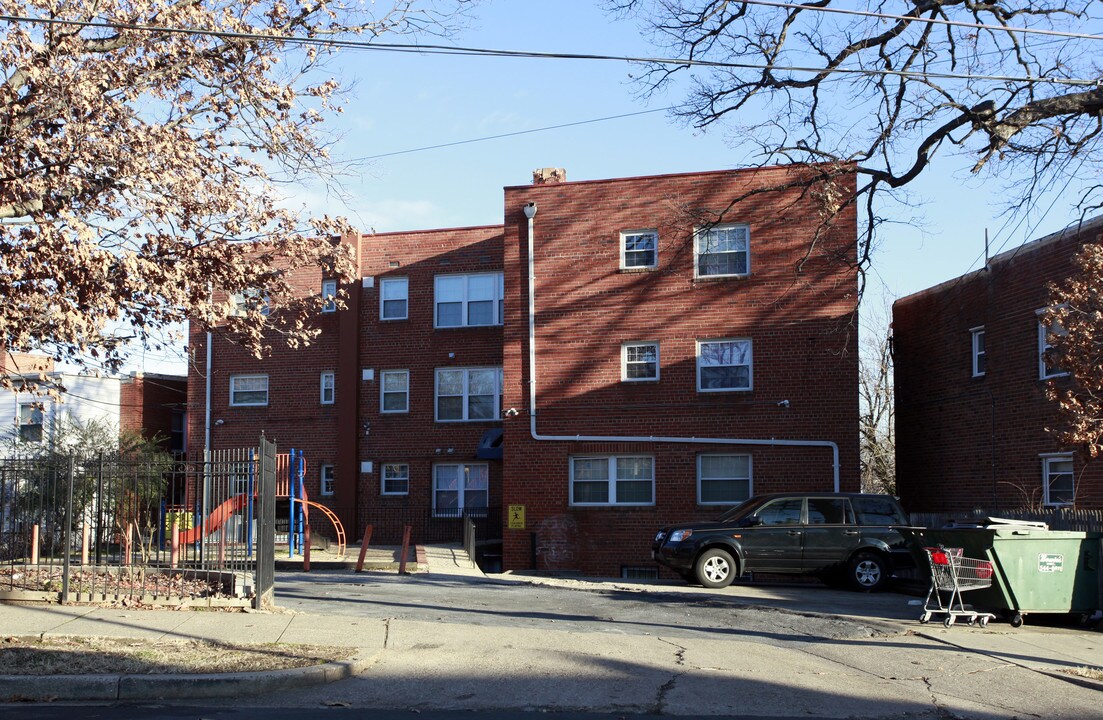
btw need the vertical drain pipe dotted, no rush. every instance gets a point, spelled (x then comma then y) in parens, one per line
(530, 213)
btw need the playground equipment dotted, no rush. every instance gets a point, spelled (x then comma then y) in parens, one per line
(290, 476)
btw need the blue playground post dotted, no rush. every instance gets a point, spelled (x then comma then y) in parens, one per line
(249, 499)
(290, 507)
(300, 471)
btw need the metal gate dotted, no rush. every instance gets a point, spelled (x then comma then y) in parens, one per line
(266, 526)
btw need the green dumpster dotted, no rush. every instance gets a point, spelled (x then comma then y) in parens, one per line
(1034, 570)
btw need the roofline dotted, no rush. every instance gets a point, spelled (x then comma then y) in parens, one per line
(499, 226)
(1076, 229)
(702, 173)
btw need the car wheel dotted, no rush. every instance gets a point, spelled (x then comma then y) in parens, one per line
(715, 568)
(868, 572)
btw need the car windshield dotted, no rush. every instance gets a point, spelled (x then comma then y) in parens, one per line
(747, 507)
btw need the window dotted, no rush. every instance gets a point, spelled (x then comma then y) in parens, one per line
(469, 300)
(722, 251)
(248, 390)
(980, 358)
(30, 422)
(329, 294)
(639, 249)
(1058, 481)
(829, 511)
(781, 512)
(639, 361)
(459, 488)
(328, 381)
(394, 388)
(723, 365)
(396, 479)
(250, 299)
(616, 480)
(723, 479)
(468, 394)
(874, 510)
(327, 480)
(394, 295)
(1046, 328)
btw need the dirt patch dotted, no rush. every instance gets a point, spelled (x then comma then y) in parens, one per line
(83, 656)
(1092, 673)
(91, 581)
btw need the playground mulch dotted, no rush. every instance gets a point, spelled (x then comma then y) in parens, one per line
(83, 580)
(92, 655)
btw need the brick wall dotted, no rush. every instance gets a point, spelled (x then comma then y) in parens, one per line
(801, 324)
(967, 442)
(148, 403)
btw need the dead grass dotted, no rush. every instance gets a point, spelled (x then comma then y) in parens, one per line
(1092, 673)
(84, 655)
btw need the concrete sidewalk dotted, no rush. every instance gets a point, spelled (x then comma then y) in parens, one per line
(917, 670)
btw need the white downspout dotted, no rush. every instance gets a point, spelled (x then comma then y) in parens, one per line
(530, 213)
(207, 404)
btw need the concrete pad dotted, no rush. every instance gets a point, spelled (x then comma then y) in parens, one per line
(1040, 648)
(37, 619)
(230, 627)
(366, 633)
(150, 624)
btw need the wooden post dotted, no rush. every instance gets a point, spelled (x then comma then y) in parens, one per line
(129, 546)
(405, 550)
(34, 544)
(174, 552)
(222, 548)
(84, 544)
(364, 549)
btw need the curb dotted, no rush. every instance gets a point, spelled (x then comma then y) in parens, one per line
(113, 687)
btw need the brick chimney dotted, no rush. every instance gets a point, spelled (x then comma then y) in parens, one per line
(549, 176)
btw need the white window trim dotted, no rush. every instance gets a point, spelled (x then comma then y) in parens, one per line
(975, 354)
(329, 294)
(1047, 458)
(466, 394)
(750, 476)
(322, 481)
(41, 424)
(267, 395)
(1043, 345)
(750, 365)
(332, 377)
(624, 235)
(382, 286)
(498, 300)
(699, 232)
(251, 296)
(460, 489)
(612, 480)
(624, 360)
(383, 478)
(383, 392)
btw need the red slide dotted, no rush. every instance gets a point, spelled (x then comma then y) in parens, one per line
(216, 519)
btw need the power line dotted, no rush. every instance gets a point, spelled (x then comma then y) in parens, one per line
(489, 52)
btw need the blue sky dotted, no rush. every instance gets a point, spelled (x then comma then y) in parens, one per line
(403, 101)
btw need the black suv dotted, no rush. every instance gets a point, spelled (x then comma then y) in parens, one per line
(847, 536)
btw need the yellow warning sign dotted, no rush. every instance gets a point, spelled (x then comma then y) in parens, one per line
(516, 517)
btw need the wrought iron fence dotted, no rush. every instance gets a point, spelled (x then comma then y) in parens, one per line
(1057, 518)
(114, 527)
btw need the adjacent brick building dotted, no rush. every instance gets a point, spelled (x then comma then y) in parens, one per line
(971, 410)
(688, 353)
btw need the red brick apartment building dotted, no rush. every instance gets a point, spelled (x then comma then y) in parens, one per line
(688, 353)
(971, 411)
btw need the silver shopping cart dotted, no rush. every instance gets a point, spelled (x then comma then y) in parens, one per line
(952, 575)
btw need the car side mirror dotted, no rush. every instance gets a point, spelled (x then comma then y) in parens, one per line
(751, 521)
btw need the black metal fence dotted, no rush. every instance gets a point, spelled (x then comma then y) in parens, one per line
(139, 528)
(479, 530)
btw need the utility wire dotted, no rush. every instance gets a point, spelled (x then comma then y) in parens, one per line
(488, 52)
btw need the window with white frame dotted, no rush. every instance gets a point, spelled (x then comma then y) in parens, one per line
(639, 249)
(247, 390)
(468, 394)
(394, 389)
(329, 294)
(30, 422)
(979, 354)
(394, 298)
(639, 361)
(1058, 481)
(722, 251)
(328, 385)
(247, 300)
(723, 479)
(395, 479)
(1047, 327)
(327, 480)
(613, 480)
(469, 300)
(460, 488)
(723, 365)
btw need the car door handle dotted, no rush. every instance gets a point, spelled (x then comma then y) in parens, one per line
(851, 532)
(794, 532)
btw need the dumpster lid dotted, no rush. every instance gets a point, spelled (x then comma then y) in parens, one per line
(994, 522)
